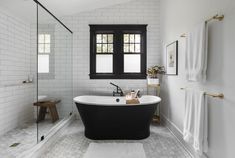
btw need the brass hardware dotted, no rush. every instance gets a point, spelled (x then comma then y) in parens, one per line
(219, 95)
(153, 85)
(183, 35)
(216, 17)
(14, 144)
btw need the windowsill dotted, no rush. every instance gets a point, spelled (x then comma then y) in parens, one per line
(120, 76)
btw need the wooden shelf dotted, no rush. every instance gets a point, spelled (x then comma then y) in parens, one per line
(156, 119)
(153, 85)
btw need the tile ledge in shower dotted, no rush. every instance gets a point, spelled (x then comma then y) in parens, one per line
(16, 85)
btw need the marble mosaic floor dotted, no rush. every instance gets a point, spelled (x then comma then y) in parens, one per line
(26, 135)
(73, 144)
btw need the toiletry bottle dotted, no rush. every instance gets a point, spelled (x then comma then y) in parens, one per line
(132, 94)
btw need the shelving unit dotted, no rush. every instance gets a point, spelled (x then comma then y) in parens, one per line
(157, 89)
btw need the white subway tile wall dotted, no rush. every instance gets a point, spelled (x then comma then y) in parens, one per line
(134, 12)
(15, 98)
(60, 84)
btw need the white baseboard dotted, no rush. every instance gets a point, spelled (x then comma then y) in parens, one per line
(54, 133)
(178, 134)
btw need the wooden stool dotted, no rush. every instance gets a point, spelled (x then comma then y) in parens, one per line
(51, 105)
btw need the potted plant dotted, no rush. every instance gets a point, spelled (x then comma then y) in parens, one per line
(152, 74)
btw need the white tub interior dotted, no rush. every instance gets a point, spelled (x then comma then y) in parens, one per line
(110, 100)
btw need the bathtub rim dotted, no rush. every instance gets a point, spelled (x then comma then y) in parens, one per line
(75, 99)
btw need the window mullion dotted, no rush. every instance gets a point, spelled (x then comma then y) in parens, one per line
(115, 53)
(93, 52)
(119, 53)
(143, 52)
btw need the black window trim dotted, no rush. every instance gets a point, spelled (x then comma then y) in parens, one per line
(118, 31)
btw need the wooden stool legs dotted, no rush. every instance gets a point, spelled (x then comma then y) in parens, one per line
(43, 110)
(42, 114)
(54, 113)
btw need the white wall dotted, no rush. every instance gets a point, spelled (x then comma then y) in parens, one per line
(134, 12)
(15, 98)
(177, 17)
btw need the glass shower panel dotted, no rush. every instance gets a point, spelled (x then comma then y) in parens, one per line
(54, 73)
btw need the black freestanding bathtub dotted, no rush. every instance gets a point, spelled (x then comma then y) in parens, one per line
(107, 117)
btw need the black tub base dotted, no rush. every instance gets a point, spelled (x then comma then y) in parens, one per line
(118, 135)
(116, 122)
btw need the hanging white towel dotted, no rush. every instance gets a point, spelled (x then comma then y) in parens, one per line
(196, 120)
(196, 53)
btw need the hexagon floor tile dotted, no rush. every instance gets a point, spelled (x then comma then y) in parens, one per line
(73, 144)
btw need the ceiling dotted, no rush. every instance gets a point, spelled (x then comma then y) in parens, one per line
(26, 9)
(70, 7)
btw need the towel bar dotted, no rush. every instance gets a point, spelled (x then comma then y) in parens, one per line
(216, 17)
(219, 95)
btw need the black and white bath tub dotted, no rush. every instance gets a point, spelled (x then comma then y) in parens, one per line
(106, 117)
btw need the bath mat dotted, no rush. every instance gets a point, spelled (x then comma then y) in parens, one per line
(115, 150)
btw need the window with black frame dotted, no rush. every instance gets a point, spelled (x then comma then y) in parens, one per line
(118, 51)
(104, 53)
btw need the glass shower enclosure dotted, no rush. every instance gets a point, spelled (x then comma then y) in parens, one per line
(35, 75)
(54, 71)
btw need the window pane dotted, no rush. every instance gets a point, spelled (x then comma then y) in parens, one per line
(105, 38)
(126, 38)
(132, 38)
(41, 38)
(126, 48)
(105, 48)
(110, 48)
(104, 63)
(47, 48)
(110, 38)
(137, 38)
(98, 48)
(41, 48)
(137, 48)
(98, 38)
(43, 63)
(132, 63)
(47, 38)
(132, 48)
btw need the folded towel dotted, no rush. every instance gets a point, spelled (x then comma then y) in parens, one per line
(196, 53)
(196, 120)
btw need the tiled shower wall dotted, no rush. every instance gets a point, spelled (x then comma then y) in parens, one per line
(15, 98)
(133, 12)
(59, 84)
